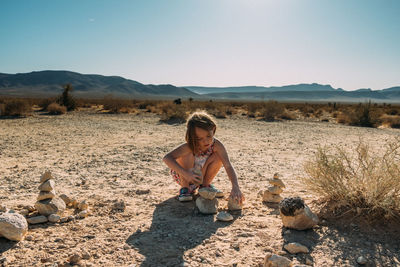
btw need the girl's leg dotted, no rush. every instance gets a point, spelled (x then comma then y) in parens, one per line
(186, 163)
(211, 168)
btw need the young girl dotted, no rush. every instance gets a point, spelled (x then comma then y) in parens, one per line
(196, 162)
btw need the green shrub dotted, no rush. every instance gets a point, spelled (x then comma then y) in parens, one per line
(363, 182)
(66, 99)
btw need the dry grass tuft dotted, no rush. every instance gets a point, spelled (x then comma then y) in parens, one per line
(392, 121)
(364, 183)
(56, 109)
(272, 110)
(16, 107)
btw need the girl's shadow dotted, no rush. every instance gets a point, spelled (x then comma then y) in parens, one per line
(176, 227)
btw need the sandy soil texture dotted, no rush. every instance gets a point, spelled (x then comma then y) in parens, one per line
(104, 158)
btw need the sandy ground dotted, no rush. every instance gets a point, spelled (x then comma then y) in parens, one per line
(104, 158)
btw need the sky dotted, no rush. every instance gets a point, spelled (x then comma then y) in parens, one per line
(349, 44)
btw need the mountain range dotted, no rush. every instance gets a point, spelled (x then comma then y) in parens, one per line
(50, 83)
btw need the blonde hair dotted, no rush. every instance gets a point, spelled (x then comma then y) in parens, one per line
(199, 119)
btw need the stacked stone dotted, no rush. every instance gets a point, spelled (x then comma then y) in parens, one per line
(48, 204)
(207, 202)
(272, 194)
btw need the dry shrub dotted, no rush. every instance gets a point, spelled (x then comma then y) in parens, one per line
(362, 182)
(272, 110)
(44, 103)
(114, 105)
(171, 112)
(391, 120)
(16, 107)
(56, 109)
(287, 115)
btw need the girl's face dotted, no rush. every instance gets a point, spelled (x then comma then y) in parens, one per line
(204, 138)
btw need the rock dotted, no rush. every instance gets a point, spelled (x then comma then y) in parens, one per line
(119, 205)
(46, 176)
(362, 260)
(297, 215)
(83, 205)
(271, 198)
(46, 195)
(273, 260)
(24, 212)
(71, 218)
(277, 182)
(85, 255)
(50, 206)
(47, 186)
(207, 193)
(29, 238)
(3, 208)
(66, 199)
(30, 208)
(64, 219)
(276, 190)
(75, 258)
(207, 206)
(54, 218)
(13, 226)
(234, 204)
(224, 216)
(37, 219)
(295, 248)
(83, 214)
(74, 203)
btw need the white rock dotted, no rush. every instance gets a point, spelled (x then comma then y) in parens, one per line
(207, 206)
(54, 218)
(207, 193)
(47, 186)
(276, 190)
(37, 219)
(295, 248)
(224, 216)
(46, 176)
(271, 198)
(234, 204)
(362, 260)
(46, 195)
(13, 226)
(83, 205)
(83, 214)
(50, 206)
(273, 260)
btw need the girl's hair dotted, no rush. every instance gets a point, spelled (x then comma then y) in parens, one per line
(198, 119)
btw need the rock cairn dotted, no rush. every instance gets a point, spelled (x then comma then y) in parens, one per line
(206, 202)
(296, 214)
(272, 194)
(47, 201)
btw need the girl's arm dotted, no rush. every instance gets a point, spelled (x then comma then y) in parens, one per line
(223, 155)
(170, 160)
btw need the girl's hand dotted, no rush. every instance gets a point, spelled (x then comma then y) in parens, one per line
(192, 178)
(237, 195)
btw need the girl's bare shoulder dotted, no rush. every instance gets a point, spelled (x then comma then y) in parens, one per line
(218, 144)
(180, 150)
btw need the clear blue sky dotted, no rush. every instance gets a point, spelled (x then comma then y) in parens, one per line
(349, 44)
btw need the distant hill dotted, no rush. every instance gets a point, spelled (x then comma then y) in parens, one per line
(300, 92)
(49, 83)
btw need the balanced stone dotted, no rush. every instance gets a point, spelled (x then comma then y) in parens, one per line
(45, 195)
(37, 219)
(47, 186)
(13, 226)
(224, 216)
(296, 214)
(207, 206)
(46, 176)
(233, 204)
(207, 192)
(276, 190)
(50, 206)
(295, 248)
(271, 198)
(66, 199)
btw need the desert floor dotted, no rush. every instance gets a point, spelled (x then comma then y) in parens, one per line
(104, 158)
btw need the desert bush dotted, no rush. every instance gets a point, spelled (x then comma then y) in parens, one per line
(66, 99)
(391, 120)
(271, 110)
(363, 181)
(56, 109)
(44, 103)
(16, 107)
(170, 112)
(287, 115)
(114, 105)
